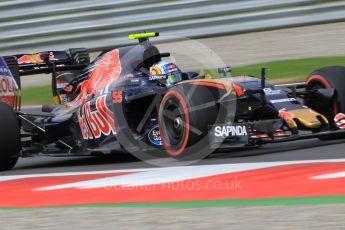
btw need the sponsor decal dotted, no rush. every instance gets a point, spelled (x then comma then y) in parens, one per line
(69, 89)
(64, 99)
(285, 115)
(230, 131)
(283, 100)
(61, 88)
(154, 136)
(269, 91)
(61, 84)
(31, 58)
(25, 59)
(94, 124)
(339, 120)
(52, 57)
(8, 86)
(5, 71)
(63, 79)
(157, 77)
(288, 118)
(35, 58)
(134, 81)
(117, 97)
(172, 68)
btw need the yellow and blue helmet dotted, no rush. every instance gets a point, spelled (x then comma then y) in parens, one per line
(166, 70)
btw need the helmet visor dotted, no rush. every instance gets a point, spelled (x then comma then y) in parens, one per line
(174, 77)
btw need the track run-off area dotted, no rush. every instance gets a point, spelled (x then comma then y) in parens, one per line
(319, 181)
(312, 170)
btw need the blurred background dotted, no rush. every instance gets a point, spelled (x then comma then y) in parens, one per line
(28, 25)
(242, 32)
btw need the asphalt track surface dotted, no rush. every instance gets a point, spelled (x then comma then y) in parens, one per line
(299, 150)
(330, 216)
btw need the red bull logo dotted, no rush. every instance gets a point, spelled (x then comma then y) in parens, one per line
(94, 124)
(30, 58)
(35, 58)
(172, 68)
(107, 70)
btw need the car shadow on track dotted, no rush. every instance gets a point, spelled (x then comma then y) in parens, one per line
(273, 152)
(267, 152)
(47, 162)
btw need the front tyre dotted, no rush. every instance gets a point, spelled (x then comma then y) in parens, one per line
(10, 143)
(327, 78)
(184, 122)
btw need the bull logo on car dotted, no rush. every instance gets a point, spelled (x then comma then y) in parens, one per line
(94, 124)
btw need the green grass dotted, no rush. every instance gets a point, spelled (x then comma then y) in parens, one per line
(297, 69)
(233, 202)
(36, 95)
(318, 200)
(278, 71)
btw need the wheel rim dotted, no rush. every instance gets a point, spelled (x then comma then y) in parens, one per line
(174, 121)
(318, 82)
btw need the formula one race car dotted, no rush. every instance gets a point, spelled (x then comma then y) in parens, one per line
(115, 103)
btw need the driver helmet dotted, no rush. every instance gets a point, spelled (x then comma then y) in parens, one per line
(166, 70)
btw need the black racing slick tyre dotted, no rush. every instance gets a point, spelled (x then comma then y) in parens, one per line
(326, 78)
(184, 120)
(10, 143)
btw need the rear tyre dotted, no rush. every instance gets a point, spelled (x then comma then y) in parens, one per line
(326, 78)
(184, 122)
(9, 138)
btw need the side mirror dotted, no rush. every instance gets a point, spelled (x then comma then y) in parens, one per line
(224, 70)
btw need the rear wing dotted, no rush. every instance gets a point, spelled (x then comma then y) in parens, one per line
(49, 61)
